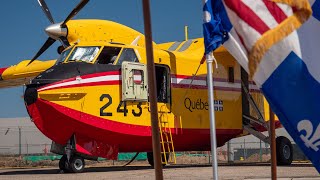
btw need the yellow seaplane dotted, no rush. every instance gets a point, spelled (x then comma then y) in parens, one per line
(92, 101)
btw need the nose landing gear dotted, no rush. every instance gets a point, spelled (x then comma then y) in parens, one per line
(71, 162)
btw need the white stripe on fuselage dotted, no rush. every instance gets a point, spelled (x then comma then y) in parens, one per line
(83, 81)
(178, 81)
(182, 81)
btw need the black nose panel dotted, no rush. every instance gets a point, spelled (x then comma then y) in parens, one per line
(30, 95)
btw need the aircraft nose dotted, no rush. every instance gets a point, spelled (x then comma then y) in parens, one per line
(55, 31)
(30, 95)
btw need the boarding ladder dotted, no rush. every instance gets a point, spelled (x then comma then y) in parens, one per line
(166, 141)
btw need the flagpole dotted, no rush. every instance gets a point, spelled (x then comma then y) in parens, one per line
(273, 146)
(210, 59)
(152, 91)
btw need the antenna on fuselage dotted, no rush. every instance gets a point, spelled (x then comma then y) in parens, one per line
(186, 33)
(135, 41)
(194, 75)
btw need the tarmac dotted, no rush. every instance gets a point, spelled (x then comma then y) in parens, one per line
(225, 172)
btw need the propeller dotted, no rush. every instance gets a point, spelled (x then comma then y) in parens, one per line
(46, 10)
(44, 47)
(75, 11)
(56, 31)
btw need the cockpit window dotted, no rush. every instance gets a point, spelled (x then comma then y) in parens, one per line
(127, 55)
(86, 54)
(63, 55)
(108, 55)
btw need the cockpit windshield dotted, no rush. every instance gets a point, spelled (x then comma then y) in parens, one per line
(63, 55)
(86, 54)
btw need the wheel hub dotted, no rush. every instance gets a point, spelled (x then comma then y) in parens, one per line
(78, 164)
(286, 151)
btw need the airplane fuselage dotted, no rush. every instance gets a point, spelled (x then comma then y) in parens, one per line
(84, 100)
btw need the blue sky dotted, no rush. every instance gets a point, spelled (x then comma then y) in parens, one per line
(23, 23)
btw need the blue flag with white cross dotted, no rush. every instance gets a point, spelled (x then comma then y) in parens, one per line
(284, 62)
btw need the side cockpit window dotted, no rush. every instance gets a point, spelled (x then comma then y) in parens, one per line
(108, 55)
(63, 55)
(127, 54)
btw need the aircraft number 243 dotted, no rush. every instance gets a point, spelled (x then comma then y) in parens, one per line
(124, 110)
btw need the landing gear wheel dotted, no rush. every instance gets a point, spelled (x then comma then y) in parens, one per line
(150, 158)
(77, 164)
(63, 164)
(284, 151)
(151, 161)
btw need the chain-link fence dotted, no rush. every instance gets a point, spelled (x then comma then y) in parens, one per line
(28, 141)
(23, 140)
(252, 151)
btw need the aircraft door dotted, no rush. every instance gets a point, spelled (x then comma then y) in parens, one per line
(134, 82)
(163, 82)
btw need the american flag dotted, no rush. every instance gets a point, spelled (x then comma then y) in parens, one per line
(262, 35)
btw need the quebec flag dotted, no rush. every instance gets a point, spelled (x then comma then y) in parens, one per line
(283, 61)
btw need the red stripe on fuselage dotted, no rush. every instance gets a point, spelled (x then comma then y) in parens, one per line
(184, 86)
(101, 74)
(188, 77)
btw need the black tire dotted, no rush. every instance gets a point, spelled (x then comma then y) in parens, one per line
(284, 151)
(151, 161)
(150, 158)
(62, 162)
(77, 164)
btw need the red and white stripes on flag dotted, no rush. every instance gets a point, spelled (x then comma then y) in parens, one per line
(259, 26)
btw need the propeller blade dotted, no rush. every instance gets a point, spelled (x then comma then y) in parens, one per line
(64, 41)
(46, 10)
(45, 46)
(75, 11)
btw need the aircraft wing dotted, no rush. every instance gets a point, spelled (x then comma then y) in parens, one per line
(22, 73)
